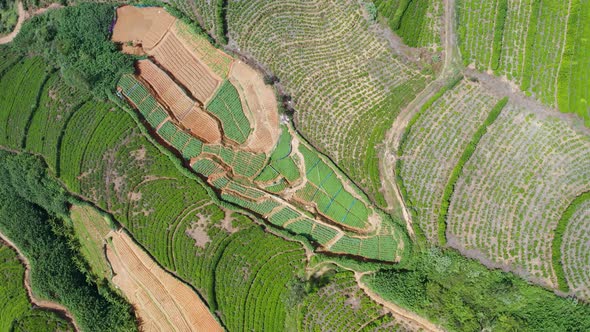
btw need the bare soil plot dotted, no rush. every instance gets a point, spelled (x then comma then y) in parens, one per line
(212, 57)
(145, 26)
(169, 93)
(162, 302)
(260, 107)
(202, 125)
(196, 77)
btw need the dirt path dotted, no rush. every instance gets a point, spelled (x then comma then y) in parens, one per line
(22, 17)
(397, 310)
(451, 67)
(44, 304)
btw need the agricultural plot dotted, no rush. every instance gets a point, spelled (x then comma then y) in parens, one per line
(227, 107)
(574, 75)
(575, 247)
(202, 11)
(417, 22)
(432, 147)
(147, 25)
(347, 85)
(20, 85)
(56, 106)
(528, 41)
(91, 230)
(334, 198)
(521, 177)
(342, 306)
(199, 80)
(252, 285)
(216, 60)
(169, 92)
(163, 303)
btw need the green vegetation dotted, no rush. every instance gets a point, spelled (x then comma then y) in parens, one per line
(8, 16)
(22, 87)
(15, 309)
(570, 248)
(416, 21)
(32, 214)
(463, 295)
(77, 40)
(558, 235)
(522, 155)
(226, 106)
(343, 110)
(527, 41)
(458, 169)
(573, 93)
(91, 228)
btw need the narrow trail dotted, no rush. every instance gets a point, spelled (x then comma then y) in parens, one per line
(21, 19)
(397, 310)
(44, 304)
(23, 15)
(451, 67)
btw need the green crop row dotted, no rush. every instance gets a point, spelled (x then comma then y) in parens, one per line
(227, 107)
(458, 169)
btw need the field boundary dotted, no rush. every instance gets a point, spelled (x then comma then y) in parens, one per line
(562, 283)
(458, 169)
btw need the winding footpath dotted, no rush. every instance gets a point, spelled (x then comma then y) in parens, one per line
(44, 304)
(23, 15)
(451, 68)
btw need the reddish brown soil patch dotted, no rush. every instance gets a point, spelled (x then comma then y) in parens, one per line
(197, 78)
(162, 302)
(169, 93)
(202, 125)
(144, 26)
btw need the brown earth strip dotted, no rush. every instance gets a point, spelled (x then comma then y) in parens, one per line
(162, 302)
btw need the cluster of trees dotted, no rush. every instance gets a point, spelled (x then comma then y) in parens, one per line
(33, 207)
(8, 16)
(77, 41)
(463, 295)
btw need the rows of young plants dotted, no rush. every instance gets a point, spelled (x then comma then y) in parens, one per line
(528, 41)
(342, 75)
(227, 107)
(16, 312)
(506, 205)
(417, 22)
(573, 250)
(340, 305)
(202, 11)
(573, 84)
(120, 169)
(432, 146)
(251, 285)
(56, 106)
(22, 87)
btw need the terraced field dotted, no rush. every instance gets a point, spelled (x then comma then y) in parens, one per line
(342, 75)
(523, 174)
(418, 23)
(106, 157)
(574, 247)
(433, 145)
(538, 45)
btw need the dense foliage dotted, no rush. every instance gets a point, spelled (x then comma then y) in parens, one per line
(8, 16)
(32, 204)
(15, 309)
(77, 40)
(463, 295)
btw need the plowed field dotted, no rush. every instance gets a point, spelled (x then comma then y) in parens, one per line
(162, 302)
(145, 26)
